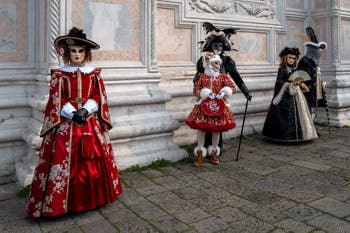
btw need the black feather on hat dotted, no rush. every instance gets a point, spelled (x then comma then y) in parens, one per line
(75, 37)
(288, 50)
(217, 35)
(311, 34)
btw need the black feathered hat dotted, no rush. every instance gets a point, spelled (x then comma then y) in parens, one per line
(288, 50)
(217, 35)
(75, 37)
(313, 39)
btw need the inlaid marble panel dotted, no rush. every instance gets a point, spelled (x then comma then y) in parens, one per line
(173, 43)
(252, 47)
(345, 4)
(293, 39)
(345, 40)
(13, 31)
(321, 33)
(320, 4)
(114, 24)
(295, 4)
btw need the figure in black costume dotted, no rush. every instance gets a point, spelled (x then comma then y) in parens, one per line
(310, 64)
(217, 42)
(289, 118)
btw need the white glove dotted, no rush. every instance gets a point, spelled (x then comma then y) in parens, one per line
(211, 95)
(220, 96)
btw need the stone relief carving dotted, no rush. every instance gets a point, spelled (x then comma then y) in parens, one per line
(256, 8)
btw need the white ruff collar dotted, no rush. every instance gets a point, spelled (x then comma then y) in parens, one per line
(72, 69)
(211, 72)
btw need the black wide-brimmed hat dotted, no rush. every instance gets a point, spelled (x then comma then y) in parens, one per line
(75, 37)
(288, 50)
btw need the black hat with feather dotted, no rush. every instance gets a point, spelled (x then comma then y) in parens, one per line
(75, 37)
(217, 35)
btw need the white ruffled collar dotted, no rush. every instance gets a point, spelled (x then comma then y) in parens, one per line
(72, 69)
(211, 72)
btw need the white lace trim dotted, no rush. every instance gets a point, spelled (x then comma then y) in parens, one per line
(72, 69)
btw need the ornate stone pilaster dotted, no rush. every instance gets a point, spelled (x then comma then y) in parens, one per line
(333, 4)
(334, 40)
(53, 27)
(153, 66)
(37, 99)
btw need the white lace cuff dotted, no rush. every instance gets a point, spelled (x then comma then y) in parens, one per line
(91, 106)
(68, 110)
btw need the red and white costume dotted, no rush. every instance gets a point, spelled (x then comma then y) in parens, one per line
(76, 169)
(211, 88)
(206, 84)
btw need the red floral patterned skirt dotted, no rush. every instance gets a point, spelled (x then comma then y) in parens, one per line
(198, 120)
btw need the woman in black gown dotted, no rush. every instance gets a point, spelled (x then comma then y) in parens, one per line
(288, 118)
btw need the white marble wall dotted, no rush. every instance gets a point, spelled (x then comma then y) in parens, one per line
(148, 55)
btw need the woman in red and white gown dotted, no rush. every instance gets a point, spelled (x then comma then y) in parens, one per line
(76, 169)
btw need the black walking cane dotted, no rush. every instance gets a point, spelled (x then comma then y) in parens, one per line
(240, 137)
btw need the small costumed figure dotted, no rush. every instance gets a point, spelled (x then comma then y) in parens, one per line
(288, 118)
(76, 169)
(218, 41)
(211, 112)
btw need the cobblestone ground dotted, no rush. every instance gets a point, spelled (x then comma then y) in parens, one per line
(272, 188)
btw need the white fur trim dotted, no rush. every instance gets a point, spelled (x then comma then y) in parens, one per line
(91, 106)
(316, 44)
(197, 148)
(211, 72)
(227, 90)
(211, 149)
(67, 110)
(204, 93)
(72, 69)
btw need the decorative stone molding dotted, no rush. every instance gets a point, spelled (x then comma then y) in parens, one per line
(259, 9)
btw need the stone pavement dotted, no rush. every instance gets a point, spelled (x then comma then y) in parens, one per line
(272, 188)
